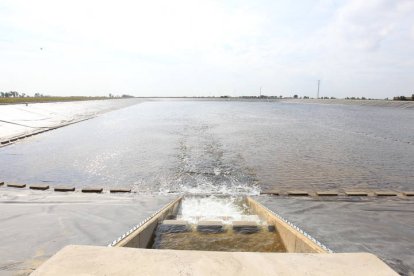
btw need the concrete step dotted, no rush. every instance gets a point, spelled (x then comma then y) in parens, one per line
(210, 226)
(39, 187)
(14, 185)
(174, 226)
(245, 227)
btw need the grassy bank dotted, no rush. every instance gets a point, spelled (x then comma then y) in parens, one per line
(48, 99)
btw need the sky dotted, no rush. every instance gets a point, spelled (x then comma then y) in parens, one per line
(208, 48)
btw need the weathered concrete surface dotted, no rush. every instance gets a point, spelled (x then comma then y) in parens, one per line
(382, 226)
(37, 224)
(92, 260)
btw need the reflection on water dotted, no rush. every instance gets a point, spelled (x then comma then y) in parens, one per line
(222, 147)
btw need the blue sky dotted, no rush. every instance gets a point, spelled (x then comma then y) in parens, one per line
(207, 48)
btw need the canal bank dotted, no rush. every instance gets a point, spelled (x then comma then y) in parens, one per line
(18, 121)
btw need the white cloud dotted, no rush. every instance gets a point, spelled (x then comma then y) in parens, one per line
(188, 47)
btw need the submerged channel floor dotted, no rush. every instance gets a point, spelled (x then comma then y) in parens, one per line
(261, 241)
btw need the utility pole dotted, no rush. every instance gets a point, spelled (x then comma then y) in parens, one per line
(319, 83)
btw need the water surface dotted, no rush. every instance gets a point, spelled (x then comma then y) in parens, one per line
(225, 147)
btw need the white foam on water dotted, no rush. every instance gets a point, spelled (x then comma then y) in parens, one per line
(202, 186)
(215, 208)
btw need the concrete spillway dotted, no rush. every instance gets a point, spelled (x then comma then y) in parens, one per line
(243, 226)
(166, 230)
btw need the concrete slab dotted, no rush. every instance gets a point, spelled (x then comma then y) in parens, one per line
(244, 224)
(356, 193)
(93, 260)
(174, 222)
(64, 189)
(408, 193)
(385, 193)
(210, 226)
(210, 223)
(14, 185)
(92, 190)
(297, 193)
(245, 227)
(120, 190)
(327, 193)
(275, 193)
(39, 187)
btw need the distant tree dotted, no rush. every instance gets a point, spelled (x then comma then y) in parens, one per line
(295, 96)
(14, 94)
(305, 97)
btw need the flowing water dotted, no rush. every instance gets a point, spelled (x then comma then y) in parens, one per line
(226, 147)
(224, 211)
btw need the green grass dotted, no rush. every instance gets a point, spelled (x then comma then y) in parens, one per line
(49, 99)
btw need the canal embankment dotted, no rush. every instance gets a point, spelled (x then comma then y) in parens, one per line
(375, 103)
(18, 121)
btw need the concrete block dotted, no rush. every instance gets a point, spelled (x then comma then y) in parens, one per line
(298, 193)
(174, 226)
(245, 227)
(120, 190)
(92, 190)
(356, 193)
(244, 224)
(39, 187)
(210, 223)
(275, 193)
(210, 226)
(174, 222)
(385, 193)
(326, 193)
(64, 189)
(13, 185)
